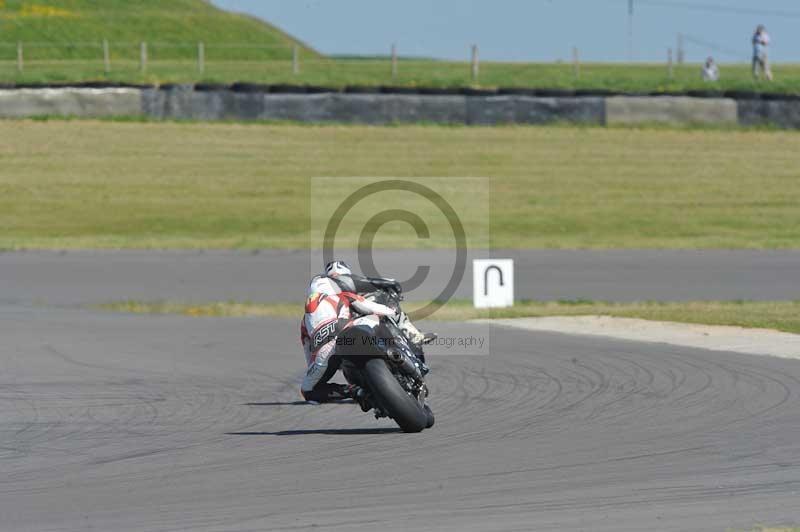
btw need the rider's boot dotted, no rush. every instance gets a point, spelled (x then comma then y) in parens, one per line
(415, 335)
(330, 392)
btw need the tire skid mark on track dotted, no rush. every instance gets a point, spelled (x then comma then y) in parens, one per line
(545, 429)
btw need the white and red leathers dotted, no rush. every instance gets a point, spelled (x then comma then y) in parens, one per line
(329, 310)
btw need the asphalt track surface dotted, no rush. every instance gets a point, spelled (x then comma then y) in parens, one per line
(80, 277)
(122, 422)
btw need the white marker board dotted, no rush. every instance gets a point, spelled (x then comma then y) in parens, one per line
(493, 283)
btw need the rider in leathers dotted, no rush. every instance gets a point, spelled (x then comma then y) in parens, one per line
(333, 301)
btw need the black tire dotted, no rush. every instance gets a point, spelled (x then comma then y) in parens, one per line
(390, 395)
(431, 419)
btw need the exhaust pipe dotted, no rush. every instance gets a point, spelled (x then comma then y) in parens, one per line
(399, 359)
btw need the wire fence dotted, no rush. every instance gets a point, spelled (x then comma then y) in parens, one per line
(128, 61)
(213, 61)
(106, 54)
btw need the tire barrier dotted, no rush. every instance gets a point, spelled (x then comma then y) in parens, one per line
(183, 103)
(778, 113)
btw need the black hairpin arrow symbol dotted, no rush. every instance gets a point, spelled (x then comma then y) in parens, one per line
(486, 278)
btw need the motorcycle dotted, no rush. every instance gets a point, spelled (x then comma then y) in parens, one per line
(376, 355)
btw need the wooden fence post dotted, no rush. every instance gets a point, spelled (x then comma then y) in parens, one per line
(143, 57)
(576, 63)
(106, 57)
(669, 63)
(394, 61)
(20, 58)
(475, 63)
(201, 57)
(295, 60)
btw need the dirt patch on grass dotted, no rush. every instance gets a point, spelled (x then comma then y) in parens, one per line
(713, 337)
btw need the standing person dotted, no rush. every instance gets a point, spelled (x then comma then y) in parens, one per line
(760, 59)
(710, 70)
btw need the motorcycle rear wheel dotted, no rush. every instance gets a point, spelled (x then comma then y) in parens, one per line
(407, 412)
(431, 419)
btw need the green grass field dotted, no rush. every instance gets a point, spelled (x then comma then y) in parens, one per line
(85, 184)
(781, 315)
(73, 30)
(62, 42)
(224, 66)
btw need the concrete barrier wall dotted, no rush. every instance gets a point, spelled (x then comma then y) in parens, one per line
(670, 109)
(21, 103)
(185, 102)
(490, 110)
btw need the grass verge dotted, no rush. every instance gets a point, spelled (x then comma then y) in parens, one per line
(94, 184)
(777, 315)
(227, 63)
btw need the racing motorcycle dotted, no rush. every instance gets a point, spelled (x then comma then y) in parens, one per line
(376, 355)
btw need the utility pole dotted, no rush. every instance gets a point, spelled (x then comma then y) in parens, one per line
(630, 30)
(681, 54)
